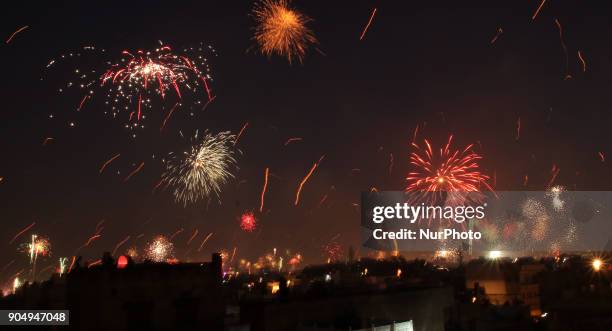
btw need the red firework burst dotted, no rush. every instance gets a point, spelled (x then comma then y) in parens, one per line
(332, 251)
(248, 222)
(449, 170)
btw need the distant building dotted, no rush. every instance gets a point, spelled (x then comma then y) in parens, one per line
(420, 308)
(147, 296)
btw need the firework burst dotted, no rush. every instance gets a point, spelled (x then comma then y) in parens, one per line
(446, 169)
(38, 246)
(201, 171)
(160, 249)
(248, 222)
(282, 30)
(133, 83)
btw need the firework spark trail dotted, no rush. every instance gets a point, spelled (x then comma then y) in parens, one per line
(91, 239)
(176, 233)
(391, 162)
(161, 181)
(567, 75)
(233, 254)
(240, 133)
(47, 139)
(119, 244)
(299, 189)
(497, 35)
(290, 140)
(554, 172)
(195, 233)
(584, 65)
(168, 116)
(99, 226)
(518, 129)
(368, 25)
(538, 10)
(108, 162)
(15, 33)
(72, 263)
(326, 196)
(85, 98)
(281, 30)
(602, 156)
(134, 172)
(263, 190)
(204, 241)
(414, 135)
(94, 263)
(22, 232)
(208, 102)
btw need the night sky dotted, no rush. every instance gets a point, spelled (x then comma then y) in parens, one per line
(356, 102)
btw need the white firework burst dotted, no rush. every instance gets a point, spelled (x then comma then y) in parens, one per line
(200, 172)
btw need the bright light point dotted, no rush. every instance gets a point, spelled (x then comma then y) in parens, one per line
(493, 255)
(597, 264)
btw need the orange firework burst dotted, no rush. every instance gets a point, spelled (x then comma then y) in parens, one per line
(248, 222)
(281, 30)
(449, 170)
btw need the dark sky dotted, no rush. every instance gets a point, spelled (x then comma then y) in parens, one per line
(421, 63)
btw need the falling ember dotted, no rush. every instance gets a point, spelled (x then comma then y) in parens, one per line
(391, 161)
(582, 61)
(368, 25)
(177, 232)
(91, 239)
(119, 244)
(15, 33)
(240, 133)
(567, 74)
(168, 116)
(248, 222)
(195, 233)
(108, 162)
(499, 32)
(290, 140)
(47, 140)
(554, 173)
(538, 10)
(134, 172)
(82, 102)
(304, 180)
(160, 249)
(94, 263)
(263, 190)
(204, 241)
(448, 170)
(281, 30)
(22, 232)
(525, 180)
(518, 129)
